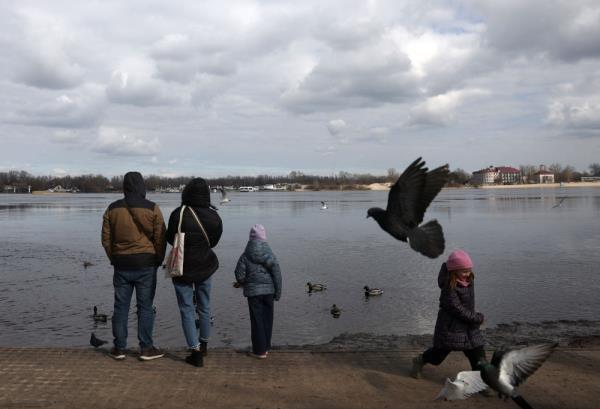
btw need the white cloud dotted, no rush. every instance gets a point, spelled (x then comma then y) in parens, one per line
(575, 113)
(336, 126)
(59, 172)
(134, 84)
(113, 141)
(441, 110)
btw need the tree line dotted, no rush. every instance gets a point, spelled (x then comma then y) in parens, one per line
(95, 183)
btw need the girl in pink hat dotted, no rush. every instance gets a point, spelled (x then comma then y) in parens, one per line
(457, 325)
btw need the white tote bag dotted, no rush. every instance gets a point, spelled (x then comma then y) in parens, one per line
(175, 259)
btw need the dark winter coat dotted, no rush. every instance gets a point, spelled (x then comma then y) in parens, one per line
(133, 229)
(457, 326)
(199, 260)
(258, 270)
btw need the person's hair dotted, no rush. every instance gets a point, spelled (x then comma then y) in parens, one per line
(453, 278)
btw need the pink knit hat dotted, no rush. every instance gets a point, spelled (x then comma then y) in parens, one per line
(458, 260)
(258, 232)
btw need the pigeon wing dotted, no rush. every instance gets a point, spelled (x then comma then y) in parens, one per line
(223, 194)
(449, 391)
(519, 364)
(472, 382)
(404, 200)
(434, 182)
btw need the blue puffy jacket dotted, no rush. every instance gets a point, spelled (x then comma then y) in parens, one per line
(258, 271)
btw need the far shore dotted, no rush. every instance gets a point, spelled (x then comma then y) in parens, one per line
(387, 186)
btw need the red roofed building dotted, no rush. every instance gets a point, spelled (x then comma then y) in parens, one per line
(543, 176)
(504, 175)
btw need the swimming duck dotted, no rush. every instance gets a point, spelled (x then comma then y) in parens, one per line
(99, 317)
(323, 206)
(335, 311)
(315, 287)
(87, 264)
(372, 291)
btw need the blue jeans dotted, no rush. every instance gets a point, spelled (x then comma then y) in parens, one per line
(261, 322)
(185, 300)
(144, 282)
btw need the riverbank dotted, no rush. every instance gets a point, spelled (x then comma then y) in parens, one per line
(351, 371)
(56, 378)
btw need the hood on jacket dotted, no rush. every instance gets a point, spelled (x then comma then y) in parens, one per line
(257, 251)
(196, 193)
(133, 185)
(443, 276)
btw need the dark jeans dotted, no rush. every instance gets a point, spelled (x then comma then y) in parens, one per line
(436, 356)
(261, 322)
(144, 282)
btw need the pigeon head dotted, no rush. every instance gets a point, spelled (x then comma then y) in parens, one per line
(376, 213)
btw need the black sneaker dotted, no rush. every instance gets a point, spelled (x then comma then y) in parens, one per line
(117, 354)
(204, 348)
(150, 353)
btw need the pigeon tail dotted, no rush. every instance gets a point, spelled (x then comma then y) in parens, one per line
(519, 400)
(427, 239)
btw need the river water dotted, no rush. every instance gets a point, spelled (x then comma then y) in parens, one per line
(533, 262)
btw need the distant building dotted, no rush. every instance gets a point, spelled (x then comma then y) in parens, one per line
(505, 175)
(543, 176)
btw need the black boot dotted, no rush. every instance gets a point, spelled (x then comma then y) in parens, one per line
(203, 348)
(195, 359)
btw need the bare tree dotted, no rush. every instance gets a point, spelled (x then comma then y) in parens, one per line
(557, 169)
(595, 169)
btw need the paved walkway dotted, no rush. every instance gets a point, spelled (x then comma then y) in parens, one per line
(87, 378)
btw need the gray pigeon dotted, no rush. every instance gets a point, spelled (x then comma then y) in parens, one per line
(466, 384)
(408, 199)
(96, 342)
(509, 369)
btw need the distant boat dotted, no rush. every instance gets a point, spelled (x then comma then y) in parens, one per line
(247, 189)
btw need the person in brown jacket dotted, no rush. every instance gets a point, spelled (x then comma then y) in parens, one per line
(133, 236)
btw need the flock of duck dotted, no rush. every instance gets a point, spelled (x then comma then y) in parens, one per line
(335, 310)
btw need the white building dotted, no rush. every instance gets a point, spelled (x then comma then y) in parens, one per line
(543, 176)
(505, 175)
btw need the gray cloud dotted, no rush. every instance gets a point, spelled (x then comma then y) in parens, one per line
(198, 75)
(81, 109)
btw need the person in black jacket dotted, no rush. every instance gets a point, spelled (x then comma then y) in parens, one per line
(199, 263)
(457, 325)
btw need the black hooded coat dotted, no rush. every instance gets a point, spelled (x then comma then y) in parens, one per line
(199, 260)
(457, 325)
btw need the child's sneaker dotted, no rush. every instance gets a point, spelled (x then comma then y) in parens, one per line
(151, 353)
(117, 354)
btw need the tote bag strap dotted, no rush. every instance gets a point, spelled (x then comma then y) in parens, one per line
(201, 226)
(180, 218)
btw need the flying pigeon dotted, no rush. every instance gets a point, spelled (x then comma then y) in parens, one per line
(510, 369)
(559, 204)
(408, 199)
(224, 198)
(96, 342)
(466, 384)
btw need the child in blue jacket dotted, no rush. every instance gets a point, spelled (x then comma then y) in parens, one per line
(258, 272)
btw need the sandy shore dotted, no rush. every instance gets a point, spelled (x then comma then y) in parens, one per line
(352, 371)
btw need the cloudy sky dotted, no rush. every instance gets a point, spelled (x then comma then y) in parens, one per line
(246, 87)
